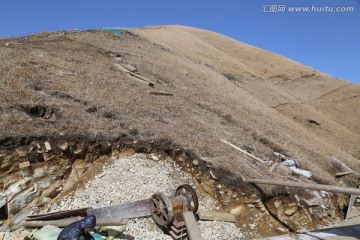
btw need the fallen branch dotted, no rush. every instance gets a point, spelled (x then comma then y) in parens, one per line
(243, 151)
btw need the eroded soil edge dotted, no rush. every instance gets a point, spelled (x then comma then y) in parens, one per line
(37, 170)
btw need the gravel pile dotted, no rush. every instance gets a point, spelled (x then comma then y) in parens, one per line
(138, 177)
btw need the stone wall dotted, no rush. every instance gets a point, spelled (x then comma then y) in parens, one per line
(34, 170)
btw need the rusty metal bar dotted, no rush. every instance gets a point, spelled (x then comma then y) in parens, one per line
(132, 209)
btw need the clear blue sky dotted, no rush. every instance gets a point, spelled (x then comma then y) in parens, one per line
(326, 41)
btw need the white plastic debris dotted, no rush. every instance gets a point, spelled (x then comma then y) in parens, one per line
(290, 163)
(302, 172)
(294, 166)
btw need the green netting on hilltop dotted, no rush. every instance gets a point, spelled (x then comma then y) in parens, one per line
(116, 31)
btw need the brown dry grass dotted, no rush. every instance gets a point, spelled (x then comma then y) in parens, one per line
(222, 89)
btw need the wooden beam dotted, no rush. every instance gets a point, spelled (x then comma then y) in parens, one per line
(243, 151)
(351, 204)
(342, 164)
(340, 174)
(272, 168)
(121, 68)
(129, 67)
(321, 187)
(192, 227)
(161, 93)
(216, 216)
(125, 70)
(67, 221)
(151, 83)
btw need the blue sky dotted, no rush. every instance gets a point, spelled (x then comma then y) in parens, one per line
(326, 41)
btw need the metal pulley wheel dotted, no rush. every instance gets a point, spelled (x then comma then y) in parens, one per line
(189, 193)
(161, 209)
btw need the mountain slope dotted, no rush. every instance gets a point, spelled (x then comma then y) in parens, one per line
(66, 83)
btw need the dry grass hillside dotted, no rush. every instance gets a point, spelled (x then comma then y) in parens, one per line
(66, 83)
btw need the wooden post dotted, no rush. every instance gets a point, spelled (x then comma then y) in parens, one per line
(321, 187)
(192, 227)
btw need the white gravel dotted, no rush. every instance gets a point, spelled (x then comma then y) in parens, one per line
(138, 177)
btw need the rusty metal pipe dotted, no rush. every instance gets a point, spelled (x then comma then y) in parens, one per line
(321, 187)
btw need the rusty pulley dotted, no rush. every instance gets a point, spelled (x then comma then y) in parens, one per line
(173, 213)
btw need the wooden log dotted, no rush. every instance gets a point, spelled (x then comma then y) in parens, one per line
(67, 221)
(321, 187)
(192, 227)
(216, 216)
(243, 151)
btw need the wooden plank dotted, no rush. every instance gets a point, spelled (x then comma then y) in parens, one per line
(272, 168)
(162, 93)
(137, 80)
(126, 70)
(121, 68)
(243, 151)
(67, 221)
(216, 216)
(351, 204)
(129, 67)
(321, 187)
(340, 174)
(151, 83)
(192, 227)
